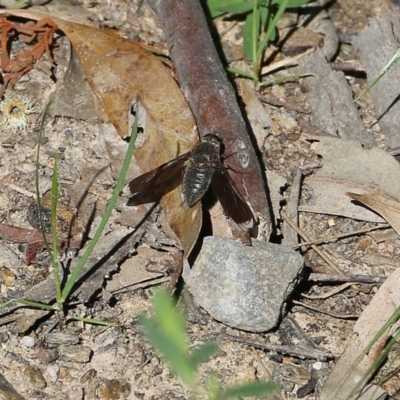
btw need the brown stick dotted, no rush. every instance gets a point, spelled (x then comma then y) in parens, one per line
(21, 235)
(211, 96)
(33, 239)
(295, 351)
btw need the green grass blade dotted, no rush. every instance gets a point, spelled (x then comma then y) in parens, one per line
(171, 352)
(170, 320)
(294, 3)
(18, 4)
(376, 364)
(54, 197)
(251, 389)
(271, 28)
(37, 168)
(29, 303)
(248, 37)
(213, 388)
(265, 16)
(237, 8)
(203, 353)
(390, 365)
(392, 320)
(385, 69)
(241, 73)
(219, 7)
(7, 303)
(118, 187)
(94, 321)
(54, 233)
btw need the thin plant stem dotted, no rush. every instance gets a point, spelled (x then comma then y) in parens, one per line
(392, 320)
(282, 79)
(29, 303)
(241, 73)
(385, 69)
(54, 253)
(255, 34)
(271, 27)
(118, 187)
(53, 209)
(39, 205)
(94, 321)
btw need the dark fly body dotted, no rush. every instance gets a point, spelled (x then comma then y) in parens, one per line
(203, 167)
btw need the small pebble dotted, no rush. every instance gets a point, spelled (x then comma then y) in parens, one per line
(75, 393)
(28, 341)
(8, 256)
(8, 277)
(114, 389)
(62, 338)
(34, 377)
(51, 373)
(29, 167)
(75, 353)
(4, 337)
(46, 356)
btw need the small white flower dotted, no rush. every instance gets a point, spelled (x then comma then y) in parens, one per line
(15, 110)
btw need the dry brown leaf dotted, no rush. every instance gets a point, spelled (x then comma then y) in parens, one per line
(343, 379)
(388, 208)
(329, 197)
(348, 167)
(119, 71)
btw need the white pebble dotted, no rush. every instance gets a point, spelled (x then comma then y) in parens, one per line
(51, 373)
(28, 341)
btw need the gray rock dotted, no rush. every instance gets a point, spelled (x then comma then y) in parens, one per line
(243, 287)
(75, 353)
(8, 256)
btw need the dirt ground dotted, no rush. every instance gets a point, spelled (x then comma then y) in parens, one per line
(87, 361)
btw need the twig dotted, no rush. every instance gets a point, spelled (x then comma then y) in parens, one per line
(315, 248)
(267, 373)
(287, 62)
(295, 351)
(346, 278)
(292, 211)
(332, 292)
(292, 334)
(11, 318)
(348, 66)
(21, 190)
(339, 316)
(144, 284)
(21, 235)
(342, 236)
(33, 240)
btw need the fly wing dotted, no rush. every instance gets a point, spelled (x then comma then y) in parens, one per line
(155, 177)
(231, 200)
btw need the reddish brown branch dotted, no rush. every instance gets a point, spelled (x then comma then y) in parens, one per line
(211, 96)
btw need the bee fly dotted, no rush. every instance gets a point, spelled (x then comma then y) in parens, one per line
(204, 167)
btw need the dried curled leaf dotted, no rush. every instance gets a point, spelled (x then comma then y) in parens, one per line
(384, 206)
(119, 71)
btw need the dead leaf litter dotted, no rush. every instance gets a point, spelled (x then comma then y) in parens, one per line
(318, 146)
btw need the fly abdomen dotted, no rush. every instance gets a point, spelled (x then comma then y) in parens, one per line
(196, 182)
